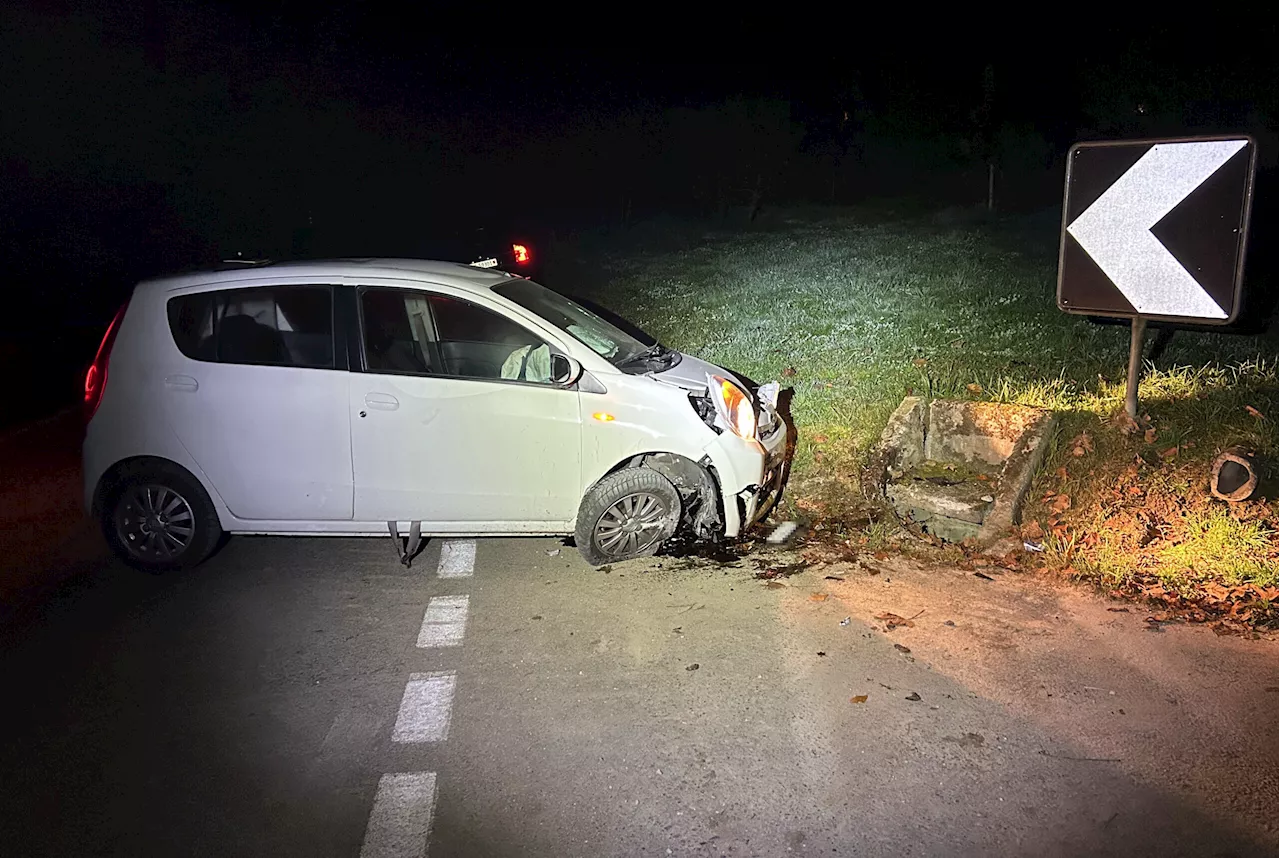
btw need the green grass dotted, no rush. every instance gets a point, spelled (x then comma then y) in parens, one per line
(854, 310)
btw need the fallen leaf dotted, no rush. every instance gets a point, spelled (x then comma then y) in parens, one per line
(858, 698)
(1118, 610)
(821, 654)
(1033, 531)
(914, 697)
(1061, 473)
(919, 363)
(1060, 503)
(818, 455)
(983, 576)
(1149, 436)
(983, 477)
(693, 666)
(774, 585)
(819, 439)
(974, 388)
(832, 578)
(892, 621)
(1255, 412)
(1170, 453)
(789, 372)
(817, 597)
(900, 648)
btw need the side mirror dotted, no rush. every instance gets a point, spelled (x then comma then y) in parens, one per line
(565, 371)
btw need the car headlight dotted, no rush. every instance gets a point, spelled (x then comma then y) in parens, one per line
(735, 407)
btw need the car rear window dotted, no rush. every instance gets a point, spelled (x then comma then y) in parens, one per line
(269, 325)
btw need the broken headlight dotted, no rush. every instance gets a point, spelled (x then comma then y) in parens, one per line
(735, 406)
(706, 409)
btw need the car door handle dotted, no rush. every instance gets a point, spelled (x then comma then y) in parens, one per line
(181, 382)
(381, 401)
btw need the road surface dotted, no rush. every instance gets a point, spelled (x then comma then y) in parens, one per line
(313, 697)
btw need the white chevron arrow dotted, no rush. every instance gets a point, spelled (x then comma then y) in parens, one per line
(1116, 230)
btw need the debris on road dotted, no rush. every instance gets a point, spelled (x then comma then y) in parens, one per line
(913, 697)
(782, 533)
(892, 621)
(858, 698)
(983, 575)
(1032, 546)
(693, 666)
(832, 578)
(949, 623)
(900, 648)
(554, 552)
(817, 597)
(846, 621)
(785, 571)
(821, 654)
(1118, 610)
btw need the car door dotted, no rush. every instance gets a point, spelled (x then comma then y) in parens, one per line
(455, 422)
(257, 394)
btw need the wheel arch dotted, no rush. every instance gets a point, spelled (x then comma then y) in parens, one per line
(698, 485)
(113, 476)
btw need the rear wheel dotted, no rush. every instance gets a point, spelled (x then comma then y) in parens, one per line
(627, 514)
(157, 518)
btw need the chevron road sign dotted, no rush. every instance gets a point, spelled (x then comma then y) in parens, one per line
(1155, 229)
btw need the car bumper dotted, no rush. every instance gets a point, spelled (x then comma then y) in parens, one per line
(751, 475)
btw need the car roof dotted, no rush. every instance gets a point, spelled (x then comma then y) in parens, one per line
(251, 273)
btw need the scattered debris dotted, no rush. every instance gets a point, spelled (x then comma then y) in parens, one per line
(948, 622)
(1149, 436)
(679, 630)
(789, 372)
(1080, 759)
(1118, 610)
(606, 569)
(536, 617)
(785, 571)
(983, 575)
(846, 621)
(913, 697)
(817, 597)
(782, 533)
(832, 578)
(693, 666)
(900, 648)
(892, 621)
(858, 698)
(821, 654)
(1033, 546)
(973, 388)
(555, 552)
(1255, 412)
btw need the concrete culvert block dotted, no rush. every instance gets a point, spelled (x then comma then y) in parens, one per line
(1234, 475)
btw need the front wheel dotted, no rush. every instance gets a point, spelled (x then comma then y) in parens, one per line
(158, 519)
(627, 514)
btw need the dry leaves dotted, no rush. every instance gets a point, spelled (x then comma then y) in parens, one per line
(1057, 503)
(1255, 412)
(789, 372)
(893, 621)
(858, 698)
(817, 597)
(974, 388)
(819, 439)
(919, 363)
(1081, 444)
(1149, 436)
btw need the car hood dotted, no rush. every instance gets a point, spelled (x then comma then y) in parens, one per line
(691, 374)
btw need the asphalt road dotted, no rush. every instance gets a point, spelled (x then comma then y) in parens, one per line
(312, 697)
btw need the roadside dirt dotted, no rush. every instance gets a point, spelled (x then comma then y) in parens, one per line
(1167, 702)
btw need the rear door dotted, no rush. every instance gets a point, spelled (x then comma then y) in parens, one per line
(454, 420)
(258, 398)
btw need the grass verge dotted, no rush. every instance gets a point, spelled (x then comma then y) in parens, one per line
(855, 309)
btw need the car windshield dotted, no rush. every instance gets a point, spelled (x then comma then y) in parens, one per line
(605, 339)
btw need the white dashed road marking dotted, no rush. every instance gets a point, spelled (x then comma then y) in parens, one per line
(425, 708)
(445, 622)
(400, 821)
(457, 558)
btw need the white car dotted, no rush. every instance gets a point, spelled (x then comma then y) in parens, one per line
(362, 396)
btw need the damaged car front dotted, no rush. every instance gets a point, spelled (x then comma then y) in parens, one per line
(715, 436)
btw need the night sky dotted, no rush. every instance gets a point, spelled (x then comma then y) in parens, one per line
(142, 137)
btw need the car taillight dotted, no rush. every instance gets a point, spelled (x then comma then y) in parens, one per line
(522, 254)
(95, 380)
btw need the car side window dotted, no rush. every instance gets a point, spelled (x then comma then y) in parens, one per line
(475, 342)
(266, 325)
(395, 329)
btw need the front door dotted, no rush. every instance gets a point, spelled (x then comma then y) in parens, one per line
(454, 419)
(257, 399)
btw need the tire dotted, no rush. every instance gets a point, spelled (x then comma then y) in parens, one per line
(635, 496)
(143, 516)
